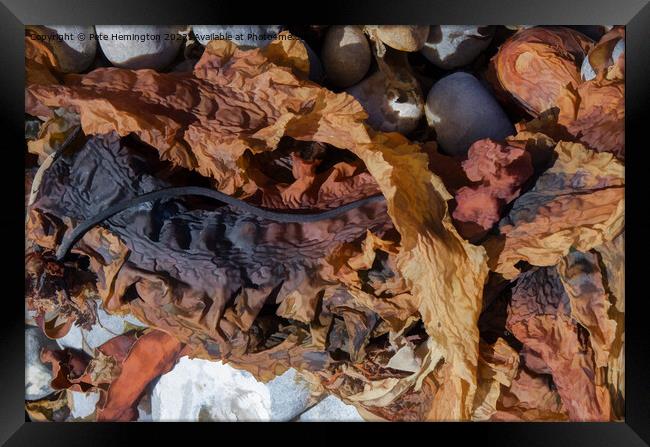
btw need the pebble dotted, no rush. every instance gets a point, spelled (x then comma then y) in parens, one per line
(331, 409)
(202, 390)
(37, 374)
(246, 36)
(74, 54)
(106, 327)
(619, 49)
(316, 70)
(586, 71)
(29, 317)
(452, 46)
(144, 408)
(346, 55)
(461, 111)
(290, 394)
(386, 112)
(82, 404)
(140, 46)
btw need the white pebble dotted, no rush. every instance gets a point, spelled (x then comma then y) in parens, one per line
(619, 49)
(73, 339)
(72, 45)
(140, 46)
(37, 375)
(247, 36)
(387, 110)
(452, 46)
(462, 111)
(290, 394)
(586, 72)
(106, 327)
(82, 404)
(29, 317)
(331, 409)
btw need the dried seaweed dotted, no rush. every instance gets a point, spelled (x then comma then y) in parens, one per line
(121, 370)
(233, 101)
(536, 63)
(578, 202)
(487, 287)
(539, 315)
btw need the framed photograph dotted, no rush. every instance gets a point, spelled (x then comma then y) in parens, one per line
(390, 213)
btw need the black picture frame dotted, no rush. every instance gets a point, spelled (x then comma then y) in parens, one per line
(14, 14)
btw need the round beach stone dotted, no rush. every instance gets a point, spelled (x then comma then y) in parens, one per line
(140, 46)
(462, 111)
(452, 46)
(247, 36)
(387, 111)
(316, 70)
(74, 52)
(345, 55)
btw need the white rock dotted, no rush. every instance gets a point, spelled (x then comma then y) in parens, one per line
(82, 404)
(586, 70)
(74, 54)
(346, 55)
(331, 409)
(461, 111)
(201, 390)
(387, 111)
(140, 46)
(619, 49)
(144, 415)
(106, 327)
(251, 36)
(73, 339)
(37, 374)
(29, 317)
(452, 46)
(289, 396)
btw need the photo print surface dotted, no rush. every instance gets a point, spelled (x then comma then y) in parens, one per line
(324, 223)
